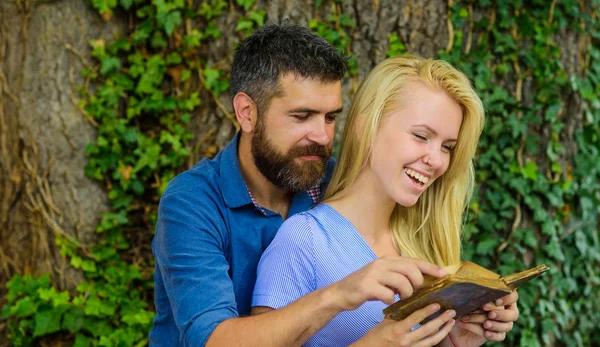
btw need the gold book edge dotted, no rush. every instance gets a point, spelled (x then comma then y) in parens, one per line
(432, 285)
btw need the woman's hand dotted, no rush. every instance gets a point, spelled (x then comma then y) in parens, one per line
(401, 334)
(490, 323)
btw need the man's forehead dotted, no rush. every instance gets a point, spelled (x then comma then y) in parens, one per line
(309, 88)
(291, 78)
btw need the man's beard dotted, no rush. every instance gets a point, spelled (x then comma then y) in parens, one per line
(281, 169)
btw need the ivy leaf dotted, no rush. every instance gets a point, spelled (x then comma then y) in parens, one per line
(126, 4)
(158, 40)
(82, 341)
(486, 246)
(173, 19)
(258, 17)
(173, 58)
(46, 322)
(109, 64)
(554, 250)
(213, 81)
(529, 238)
(149, 158)
(73, 319)
(244, 24)
(104, 7)
(88, 265)
(212, 30)
(25, 307)
(193, 39)
(246, 4)
(530, 171)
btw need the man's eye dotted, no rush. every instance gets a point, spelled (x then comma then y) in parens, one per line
(300, 116)
(330, 118)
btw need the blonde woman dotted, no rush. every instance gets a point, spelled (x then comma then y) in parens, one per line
(402, 181)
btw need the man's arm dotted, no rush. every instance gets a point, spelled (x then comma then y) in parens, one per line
(189, 249)
(295, 323)
(289, 326)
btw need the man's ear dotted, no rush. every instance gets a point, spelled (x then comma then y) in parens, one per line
(245, 111)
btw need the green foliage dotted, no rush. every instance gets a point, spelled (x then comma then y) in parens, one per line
(525, 211)
(558, 195)
(334, 29)
(396, 46)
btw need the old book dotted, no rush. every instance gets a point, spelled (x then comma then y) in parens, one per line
(466, 288)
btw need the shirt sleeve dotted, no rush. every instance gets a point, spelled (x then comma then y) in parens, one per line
(286, 269)
(189, 250)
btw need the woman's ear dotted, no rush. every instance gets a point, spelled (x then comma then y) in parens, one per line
(245, 111)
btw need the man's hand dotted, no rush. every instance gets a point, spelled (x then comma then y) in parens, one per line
(381, 280)
(398, 333)
(490, 323)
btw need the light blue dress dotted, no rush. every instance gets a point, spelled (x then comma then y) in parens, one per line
(311, 250)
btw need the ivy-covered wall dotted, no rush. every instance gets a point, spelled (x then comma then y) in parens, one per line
(156, 93)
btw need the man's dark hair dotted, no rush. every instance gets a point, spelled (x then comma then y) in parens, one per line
(276, 50)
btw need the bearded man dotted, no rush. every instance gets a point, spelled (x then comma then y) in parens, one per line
(216, 219)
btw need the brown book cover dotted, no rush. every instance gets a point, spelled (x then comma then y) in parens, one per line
(466, 288)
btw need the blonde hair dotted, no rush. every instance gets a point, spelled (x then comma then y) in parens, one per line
(431, 229)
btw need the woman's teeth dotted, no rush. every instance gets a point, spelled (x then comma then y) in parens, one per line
(422, 179)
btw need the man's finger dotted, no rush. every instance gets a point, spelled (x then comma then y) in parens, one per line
(508, 299)
(509, 315)
(474, 318)
(475, 328)
(431, 327)
(438, 336)
(490, 335)
(495, 326)
(417, 317)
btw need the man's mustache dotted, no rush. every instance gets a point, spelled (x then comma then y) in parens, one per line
(312, 149)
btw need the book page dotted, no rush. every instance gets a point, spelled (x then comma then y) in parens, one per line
(468, 269)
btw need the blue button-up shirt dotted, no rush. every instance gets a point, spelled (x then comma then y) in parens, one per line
(209, 239)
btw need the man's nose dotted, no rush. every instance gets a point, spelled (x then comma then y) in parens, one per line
(321, 132)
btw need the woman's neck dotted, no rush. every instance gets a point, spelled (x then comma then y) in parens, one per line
(369, 210)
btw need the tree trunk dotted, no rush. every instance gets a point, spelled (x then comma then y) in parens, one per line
(43, 135)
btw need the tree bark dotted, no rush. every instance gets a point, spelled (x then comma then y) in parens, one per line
(43, 48)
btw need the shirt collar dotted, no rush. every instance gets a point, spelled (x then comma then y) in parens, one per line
(235, 193)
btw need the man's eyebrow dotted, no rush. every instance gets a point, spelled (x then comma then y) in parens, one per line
(431, 130)
(339, 110)
(312, 110)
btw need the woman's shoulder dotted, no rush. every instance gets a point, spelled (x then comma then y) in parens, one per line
(302, 226)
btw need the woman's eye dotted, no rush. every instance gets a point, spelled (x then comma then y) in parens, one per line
(420, 136)
(448, 148)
